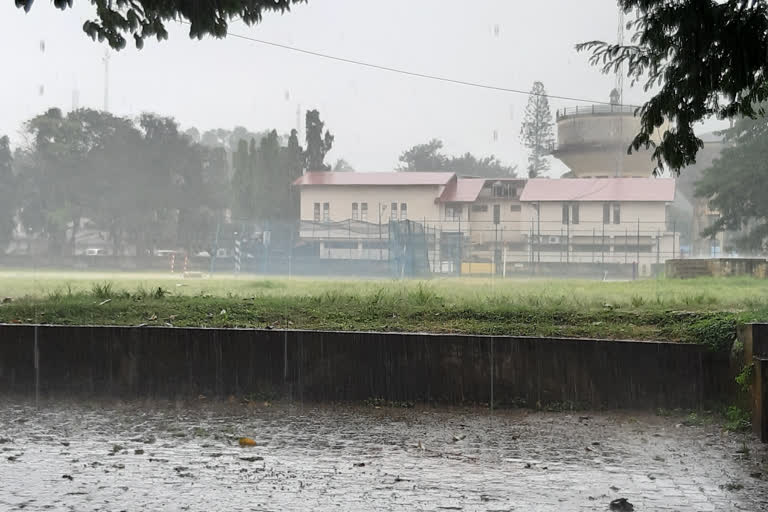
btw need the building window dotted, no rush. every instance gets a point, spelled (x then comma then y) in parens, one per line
(355, 212)
(479, 207)
(364, 212)
(403, 211)
(502, 190)
(606, 213)
(497, 214)
(616, 213)
(453, 212)
(317, 212)
(326, 212)
(515, 208)
(566, 216)
(393, 213)
(574, 214)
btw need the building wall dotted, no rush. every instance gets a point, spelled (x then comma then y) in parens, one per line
(482, 227)
(652, 216)
(510, 242)
(420, 201)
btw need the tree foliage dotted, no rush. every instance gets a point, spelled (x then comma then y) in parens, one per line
(706, 56)
(429, 158)
(536, 131)
(342, 165)
(8, 198)
(737, 184)
(318, 144)
(141, 19)
(145, 183)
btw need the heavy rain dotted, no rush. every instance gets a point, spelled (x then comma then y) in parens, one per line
(304, 255)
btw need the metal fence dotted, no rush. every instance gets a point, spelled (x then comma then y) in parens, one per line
(414, 248)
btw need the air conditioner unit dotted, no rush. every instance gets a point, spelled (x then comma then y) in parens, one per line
(553, 240)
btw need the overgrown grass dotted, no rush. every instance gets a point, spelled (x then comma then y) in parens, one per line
(703, 311)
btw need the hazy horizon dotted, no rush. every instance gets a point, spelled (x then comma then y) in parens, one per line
(375, 115)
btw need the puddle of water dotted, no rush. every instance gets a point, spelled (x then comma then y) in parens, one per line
(82, 456)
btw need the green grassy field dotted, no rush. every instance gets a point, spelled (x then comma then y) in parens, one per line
(701, 310)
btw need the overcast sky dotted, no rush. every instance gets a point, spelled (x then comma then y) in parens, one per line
(374, 115)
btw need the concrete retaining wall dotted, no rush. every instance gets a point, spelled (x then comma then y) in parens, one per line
(754, 338)
(338, 366)
(716, 267)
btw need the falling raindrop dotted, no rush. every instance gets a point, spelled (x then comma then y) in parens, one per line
(496, 30)
(41, 90)
(495, 135)
(42, 46)
(287, 95)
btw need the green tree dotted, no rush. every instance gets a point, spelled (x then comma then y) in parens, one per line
(342, 165)
(737, 184)
(142, 19)
(8, 191)
(293, 162)
(706, 57)
(242, 181)
(424, 158)
(271, 191)
(428, 158)
(59, 150)
(536, 132)
(318, 144)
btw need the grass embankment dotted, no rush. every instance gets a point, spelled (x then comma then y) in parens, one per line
(703, 310)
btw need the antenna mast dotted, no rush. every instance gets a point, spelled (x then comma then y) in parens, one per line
(106, 80)
(620, 69)
(619, 88)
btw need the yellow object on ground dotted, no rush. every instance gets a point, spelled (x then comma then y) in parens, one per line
(247, 441)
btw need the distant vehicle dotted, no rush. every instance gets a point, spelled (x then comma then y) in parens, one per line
(168, 253)
(95, 252)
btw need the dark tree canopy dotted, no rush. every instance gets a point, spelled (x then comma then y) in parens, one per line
(318, 144)
(117, 19)
(737, 184)
(8, 200)
(707, 56)
(428, 158)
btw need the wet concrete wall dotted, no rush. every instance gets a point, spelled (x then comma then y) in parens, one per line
(716, 267)
(754, 338)
(339, 366)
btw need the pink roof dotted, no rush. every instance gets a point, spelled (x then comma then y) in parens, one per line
(600, 189)
(463, 190)
(374, 178)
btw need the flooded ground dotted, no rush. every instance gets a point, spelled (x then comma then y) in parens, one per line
(108, 456)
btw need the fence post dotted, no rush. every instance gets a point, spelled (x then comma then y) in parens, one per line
(638, 245)
(658, 247)
(674, 239)
(626, 245)
(602, 246)
(215, 248)
(538, 228)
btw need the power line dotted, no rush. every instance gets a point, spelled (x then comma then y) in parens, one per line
(411, 73)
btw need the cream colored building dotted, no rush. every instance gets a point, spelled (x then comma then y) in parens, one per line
(490, 224)
(594, 220)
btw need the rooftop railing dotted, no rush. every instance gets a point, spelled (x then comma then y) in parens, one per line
(595, 109)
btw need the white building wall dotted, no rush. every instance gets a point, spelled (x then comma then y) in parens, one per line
(420, 201)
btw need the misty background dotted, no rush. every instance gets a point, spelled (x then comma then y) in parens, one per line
(374, 115)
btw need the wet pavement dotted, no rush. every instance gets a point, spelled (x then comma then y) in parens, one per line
(108, 456)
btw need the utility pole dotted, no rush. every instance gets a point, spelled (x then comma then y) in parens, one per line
(105, 60)
(619, 88)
